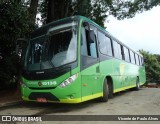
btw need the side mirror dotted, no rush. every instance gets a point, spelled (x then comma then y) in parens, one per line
(86, 25)
(90, 33)
(91, 37)
(21, 46)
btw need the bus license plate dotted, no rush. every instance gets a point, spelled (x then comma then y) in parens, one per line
(41, 100)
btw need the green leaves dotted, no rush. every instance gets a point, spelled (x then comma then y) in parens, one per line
(97, 10)
(152, 65)
(14, 23)
(128, 8)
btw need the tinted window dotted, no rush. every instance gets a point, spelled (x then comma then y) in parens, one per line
(126, 54)
(140, 63)
(88, 48)
(117, 50)
(102, 43)
(84, 43)
(132, 57)
(93, 45)
(137, 59)
(109, 46)
(142, 60)
(93, 49)
(122, 52)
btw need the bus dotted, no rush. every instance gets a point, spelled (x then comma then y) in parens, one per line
(73, 60)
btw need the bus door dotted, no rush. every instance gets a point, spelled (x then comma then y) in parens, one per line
(89, 63)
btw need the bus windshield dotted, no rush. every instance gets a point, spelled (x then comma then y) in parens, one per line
(55, 48)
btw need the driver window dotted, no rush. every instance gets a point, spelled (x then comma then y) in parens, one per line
(88, 48)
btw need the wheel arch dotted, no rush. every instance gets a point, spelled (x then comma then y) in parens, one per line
(110, 83)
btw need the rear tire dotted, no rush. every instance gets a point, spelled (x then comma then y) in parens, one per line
(105, 96)
(137, 84)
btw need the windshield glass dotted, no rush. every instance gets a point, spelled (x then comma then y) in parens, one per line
(56, 48)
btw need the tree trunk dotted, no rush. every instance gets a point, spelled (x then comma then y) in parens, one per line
(54, 10)
(57, 9)
(33, 9)
(66, 9)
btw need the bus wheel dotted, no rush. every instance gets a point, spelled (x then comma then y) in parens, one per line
(110, 87)
(137, 84)
(104, 98)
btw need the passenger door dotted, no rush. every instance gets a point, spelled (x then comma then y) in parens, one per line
(89, 63)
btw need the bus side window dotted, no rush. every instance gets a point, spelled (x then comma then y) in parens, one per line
(88, 48)
(140, 63)
(109, 46)
(84, 51)
(132, 57)
(105, 45)
(137, 60)
(92, 45)
(102, 43)
(126, 53)
(117, 50)
(93, 50)
(122, 52)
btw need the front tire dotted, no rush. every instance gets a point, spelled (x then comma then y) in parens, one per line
(105, 91)
(110, 95)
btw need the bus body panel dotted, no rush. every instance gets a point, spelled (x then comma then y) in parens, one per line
(123, 74)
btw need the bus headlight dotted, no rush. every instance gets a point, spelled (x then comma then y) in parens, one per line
(68, 81)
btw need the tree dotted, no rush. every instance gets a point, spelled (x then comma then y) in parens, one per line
(158, 57)
(97, 10)
(14, 23)
(128, 8)
(152, 67)
(55, 9)
(33, 10)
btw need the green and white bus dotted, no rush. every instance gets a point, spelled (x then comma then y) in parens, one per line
(73, 60)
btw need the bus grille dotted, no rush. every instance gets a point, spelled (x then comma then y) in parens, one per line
(42, 88)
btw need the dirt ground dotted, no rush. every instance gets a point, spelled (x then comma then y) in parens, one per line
(7, 96)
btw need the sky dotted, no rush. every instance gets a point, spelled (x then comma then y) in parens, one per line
(139, 32)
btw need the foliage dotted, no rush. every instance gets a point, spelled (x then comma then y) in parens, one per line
(14, 23)
(94, 10)
(158, 57)
(152, 66)
(97, 10)
(128, 8)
